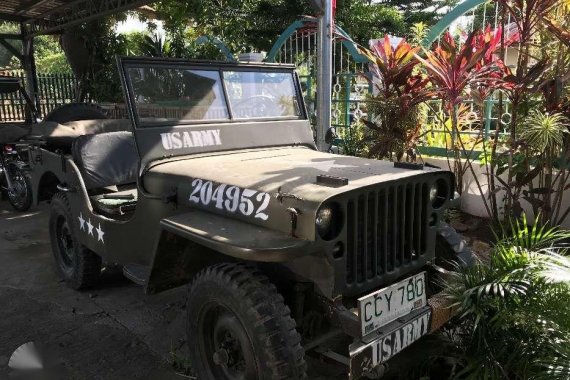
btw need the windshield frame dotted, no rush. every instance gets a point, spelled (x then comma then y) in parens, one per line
(126, 63)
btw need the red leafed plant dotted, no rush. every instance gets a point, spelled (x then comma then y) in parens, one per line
(452, 69)
(455, 69)
(394, 105)
(491, 42)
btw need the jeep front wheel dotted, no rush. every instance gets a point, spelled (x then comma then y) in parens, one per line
(240, 328)
(77, 265)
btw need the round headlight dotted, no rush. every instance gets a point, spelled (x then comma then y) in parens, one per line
(439, 193)
(329, 221)
(324, 221)
(433, 193)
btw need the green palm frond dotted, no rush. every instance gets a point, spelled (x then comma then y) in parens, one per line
(557, 367)
(555, 268)
(535, 237)
(513, 307)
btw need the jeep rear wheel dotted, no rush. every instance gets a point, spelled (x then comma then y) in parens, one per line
(240, 328)
(77, 265)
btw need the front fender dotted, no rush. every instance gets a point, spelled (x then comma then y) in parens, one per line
(191, 241)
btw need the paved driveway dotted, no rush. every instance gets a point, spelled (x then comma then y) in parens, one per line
(111, 332)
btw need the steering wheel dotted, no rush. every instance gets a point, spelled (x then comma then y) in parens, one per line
(256, 106)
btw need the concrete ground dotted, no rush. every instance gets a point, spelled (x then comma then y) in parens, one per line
(111, 332)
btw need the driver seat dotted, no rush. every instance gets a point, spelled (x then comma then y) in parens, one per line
(108, 163)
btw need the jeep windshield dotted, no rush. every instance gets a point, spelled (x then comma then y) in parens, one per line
(167, 95)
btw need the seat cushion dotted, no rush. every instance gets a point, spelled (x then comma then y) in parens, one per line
(106, 159)
(116, 203)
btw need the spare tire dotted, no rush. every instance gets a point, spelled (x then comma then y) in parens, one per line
(76, 111)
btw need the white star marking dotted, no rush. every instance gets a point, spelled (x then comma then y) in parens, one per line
(89, 227)
(81, 222)
(100, 234)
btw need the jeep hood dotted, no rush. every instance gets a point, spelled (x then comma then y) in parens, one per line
(288, 174)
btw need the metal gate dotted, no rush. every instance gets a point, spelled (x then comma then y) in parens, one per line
(298, 45)
(53, 91)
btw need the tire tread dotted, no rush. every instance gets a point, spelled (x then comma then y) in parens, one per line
(88, 263)
(273, 322)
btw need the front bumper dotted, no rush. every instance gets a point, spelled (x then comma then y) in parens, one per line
(374, 349)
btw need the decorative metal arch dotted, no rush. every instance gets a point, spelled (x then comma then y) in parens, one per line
(202, 40)
(311, 23)
(448, 19)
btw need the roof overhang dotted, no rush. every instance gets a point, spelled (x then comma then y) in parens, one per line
(53, 16)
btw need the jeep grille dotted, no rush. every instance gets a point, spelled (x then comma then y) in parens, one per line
(386, 234)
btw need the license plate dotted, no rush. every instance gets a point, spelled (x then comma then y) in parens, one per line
(391, 303)
(365, 356)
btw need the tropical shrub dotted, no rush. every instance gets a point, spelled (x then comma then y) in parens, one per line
(354, 140)
(394, 105)
(513, 314)
(538, 82)
(453, 69)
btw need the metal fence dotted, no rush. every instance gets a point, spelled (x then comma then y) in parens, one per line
(53, 90)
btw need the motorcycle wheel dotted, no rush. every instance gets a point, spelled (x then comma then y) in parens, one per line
(20, 197)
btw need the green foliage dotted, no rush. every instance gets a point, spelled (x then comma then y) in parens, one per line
(527, 159)
(256, 24)
(364, 20)
(426, 11)
(134, 42)
(5, 55)
(155, 46)
(544, 132)
(91, 49)
(354, 140)
(242, 25)
(513, 311)
(418, 32)
(50, 58)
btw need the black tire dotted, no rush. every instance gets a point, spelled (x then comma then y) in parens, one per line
(237, 319)
(77, 265)
(21, 198)
(451, 247)
(76, 111)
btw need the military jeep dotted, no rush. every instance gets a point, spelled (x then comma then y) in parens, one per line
(216, 182)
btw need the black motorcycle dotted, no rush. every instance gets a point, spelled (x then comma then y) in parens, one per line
(14, 177)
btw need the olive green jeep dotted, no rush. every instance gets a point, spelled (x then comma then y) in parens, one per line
(216, 182)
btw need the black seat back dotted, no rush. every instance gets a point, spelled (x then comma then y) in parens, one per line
(106, 159)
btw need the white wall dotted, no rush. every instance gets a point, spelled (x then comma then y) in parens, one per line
(471, 199)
